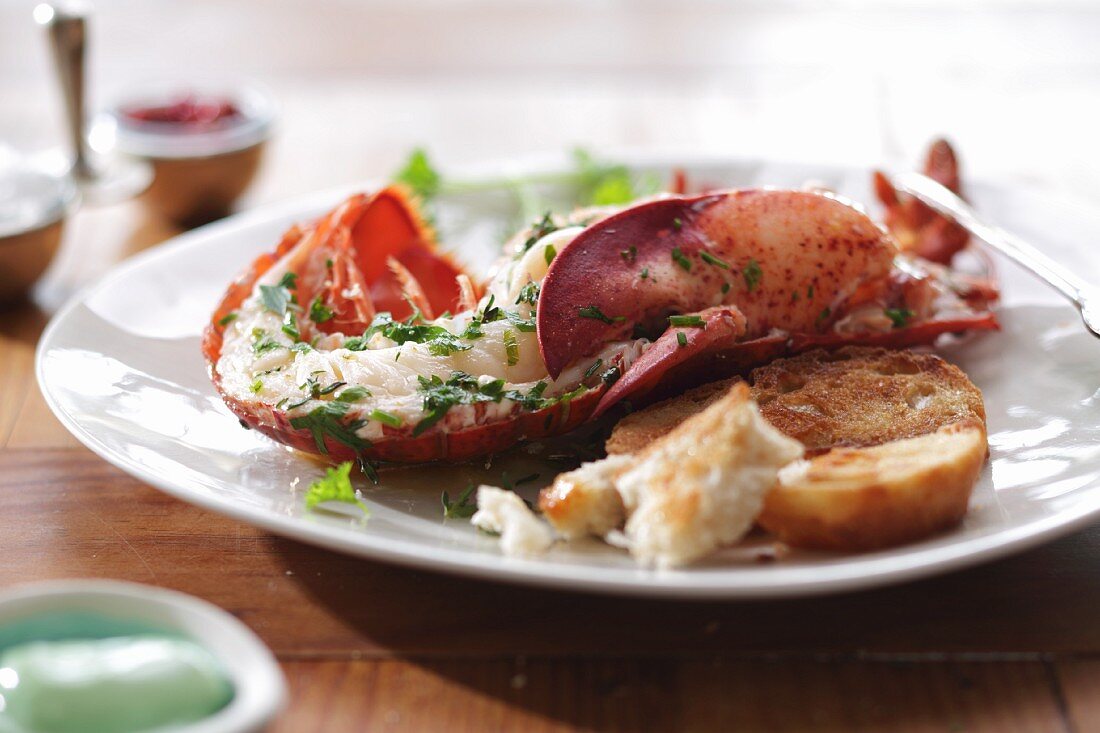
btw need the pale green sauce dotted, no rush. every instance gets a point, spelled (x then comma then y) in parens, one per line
(120, 683)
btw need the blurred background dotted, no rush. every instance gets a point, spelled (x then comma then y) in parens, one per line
(1014, 83)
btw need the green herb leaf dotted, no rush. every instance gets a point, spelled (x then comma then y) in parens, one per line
(327, 420)
(900, 316)
(257, 385)
(511, 347)
(539, 230)
(353, 394)
(712, 260)
(591, 311)
(227, 318)
(752, 274)
(527, 325)
(335, 486)
(529, 294)
(593, 369)
(687, 321)
(386, 418)
(681, 259)
(461, 508)
(681, 339)
(549, 253)
(319, 312)
(419, 175)
(262, 342)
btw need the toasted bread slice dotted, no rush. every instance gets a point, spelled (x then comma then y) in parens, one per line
(852, 397)
(859, 396)
(867, 498)
(640, 429)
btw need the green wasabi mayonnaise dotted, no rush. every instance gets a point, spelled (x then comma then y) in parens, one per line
(119, 684)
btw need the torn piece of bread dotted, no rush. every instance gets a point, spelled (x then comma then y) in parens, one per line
(855, 396)
(503, 512)
(695, 489)
(584, 501)
(866, 498)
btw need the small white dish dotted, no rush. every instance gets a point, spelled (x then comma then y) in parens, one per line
(121, 367)
(259, 686)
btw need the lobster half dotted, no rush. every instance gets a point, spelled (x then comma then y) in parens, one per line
(358, 338)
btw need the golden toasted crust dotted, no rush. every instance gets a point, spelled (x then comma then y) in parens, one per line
(863, 396)
(851, 397)
(640, 429)
(854, 499)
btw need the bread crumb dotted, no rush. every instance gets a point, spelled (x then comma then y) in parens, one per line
(503, 512)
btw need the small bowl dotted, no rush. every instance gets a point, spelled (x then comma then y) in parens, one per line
(200, 168)
(259, 686)
(33, 207)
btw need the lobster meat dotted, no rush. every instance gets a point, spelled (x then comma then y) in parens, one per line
(358, 338)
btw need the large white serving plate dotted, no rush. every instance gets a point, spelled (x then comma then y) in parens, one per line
(121, 368)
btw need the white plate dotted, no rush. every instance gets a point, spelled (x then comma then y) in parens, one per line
(121, 368)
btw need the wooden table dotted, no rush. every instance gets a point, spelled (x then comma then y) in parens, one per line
(1010, 646)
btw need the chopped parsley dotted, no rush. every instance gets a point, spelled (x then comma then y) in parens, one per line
(227, 318)
(327, 420)
(511, 347)
(507, 482)
(419, 175)
(353, 394)
(531, 400)
(459, 389)
(900, 316)
(687, 321)
(290, 325)
(528, 294)
(681, 338)
(810, 293)
(752, 274)
(593, 369)
(629, 255)
(645, 273)
(257, 385)
(591, 311)
(527, 325)
(262, 342)
(681, 259)
(824, 315)
(539, 230)
(386, 418)
(677, 224)
(335, 486)
(440, 341)
(319, 312)
(461, 508)
(712, 260)
(725, 288)
(549, 253)
(277, 298)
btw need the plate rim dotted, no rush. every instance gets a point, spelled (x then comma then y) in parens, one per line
(856, 572)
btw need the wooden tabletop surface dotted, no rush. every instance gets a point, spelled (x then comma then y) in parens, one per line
(1009, 646)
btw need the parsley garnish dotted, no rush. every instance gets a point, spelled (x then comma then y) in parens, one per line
(824, 314)
(386, 418)
(681, 259)
(900, 316)
(539, 230)
(527, 325)
(460, 509)
(511, 347)
(549, 253)
(262, 342)
(810, 292)
(712, 260)
(227, 318)
(687, 321)
(645, 273)
(591, 311)
(277, 298)
(257, 385)
(327, 420)
(353, 394)
(319, 312)
(440, 341)
(752, 274)
(419, 175)
(681, 338)
(335, 486)
(531, 400)
(459, 389)
(290, 326)
(528, 294)
(677, 224)
(592, 369)
(725, 288)
(629, 255)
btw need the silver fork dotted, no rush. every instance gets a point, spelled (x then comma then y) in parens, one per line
(1083, 295)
